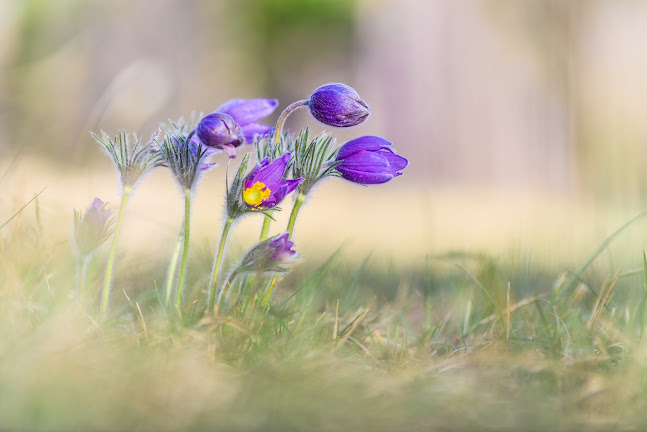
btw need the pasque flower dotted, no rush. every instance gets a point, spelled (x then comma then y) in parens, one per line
(369, 160)
(220, 131)
(247, 113)
(92, 228)
(338, 105)
(264, 186)
(269, 255)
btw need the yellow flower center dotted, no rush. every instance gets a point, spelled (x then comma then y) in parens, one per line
(256, 194)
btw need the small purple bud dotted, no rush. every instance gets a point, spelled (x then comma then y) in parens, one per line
(264, 187)
(338, 105)
(220, 131)
(369, 160)
(92, 228)
(247, 112)
(270, 255)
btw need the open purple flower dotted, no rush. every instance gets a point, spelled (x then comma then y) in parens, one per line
(92, 228)
(264, 187)
(369, 160)
(220, 131)
(247, 112)
(338, 105)
(270, 255)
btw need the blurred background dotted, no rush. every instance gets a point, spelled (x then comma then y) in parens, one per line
(524, 120)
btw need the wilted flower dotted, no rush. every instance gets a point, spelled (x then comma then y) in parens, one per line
(247, 112)
(369, 160)
(264, 186)
(269, 255)
(92, 228)
(220, 131)
(338, 105)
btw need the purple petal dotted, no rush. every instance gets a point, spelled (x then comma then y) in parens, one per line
(272, 173)
(397, 163)
(255, 129)
(366, 161)
(230, 150)
(246, 111)
(366, 178)
(369, 142)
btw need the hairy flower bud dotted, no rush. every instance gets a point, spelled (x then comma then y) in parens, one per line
(369, 160)
(270, 255)
(220, 131)
(338, 105)
(92, 228)
(247, 113)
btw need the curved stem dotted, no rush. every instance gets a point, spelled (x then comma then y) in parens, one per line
(185, 252)
(111, 258)
(295, 211)
(216, 265)
(225, 290)
(284, 115)
(266, 227)
(172, 265)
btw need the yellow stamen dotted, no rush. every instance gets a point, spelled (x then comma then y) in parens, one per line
(256, 194)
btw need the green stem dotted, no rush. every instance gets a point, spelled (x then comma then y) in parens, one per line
(284, 115)
(295, 211)
(111, 258)
(270, 290)
(172, 265)
(185, 252)
(83, 265)
(216, 265)
(266, 227)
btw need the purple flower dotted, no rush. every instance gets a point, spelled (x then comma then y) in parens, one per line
(220, 131)
(338, 105)
(369, 160)
(270, 255)
(264, 187)
(247, 112)
(92, 228)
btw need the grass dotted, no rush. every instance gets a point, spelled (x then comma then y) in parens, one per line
(456, 341)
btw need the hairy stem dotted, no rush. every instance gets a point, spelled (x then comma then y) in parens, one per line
(111, 258)
(295, 211)
(266, 227)
(216, 265)
(185, 251)
(284, 115)
(172, 266)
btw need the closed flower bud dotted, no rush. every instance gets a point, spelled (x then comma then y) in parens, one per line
(220, 131)
(247, 113)
(270, 255)
(369, 160)
(338, 105)
(92, 228)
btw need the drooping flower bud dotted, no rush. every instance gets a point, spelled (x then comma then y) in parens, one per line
(369, 160)
(220, 131)
(338, 105)
(92, 228)
(247, 113)
(269, 255)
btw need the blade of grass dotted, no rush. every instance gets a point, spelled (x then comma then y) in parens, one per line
(485, 291)
(643, 306)
(21, 209)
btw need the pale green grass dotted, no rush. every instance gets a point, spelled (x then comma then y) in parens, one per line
(354, 341)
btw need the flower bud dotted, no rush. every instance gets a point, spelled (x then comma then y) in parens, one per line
(270, 255)
(369, 160)
(247, 113)
(220, 131)
(92, 228)
(338, 105)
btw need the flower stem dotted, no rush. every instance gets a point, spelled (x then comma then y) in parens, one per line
(111, 258)
(216, 265)
(185, 252)
(295, 210)
(82, 268)
(284, 115)
(172, 265)
(266, 227)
